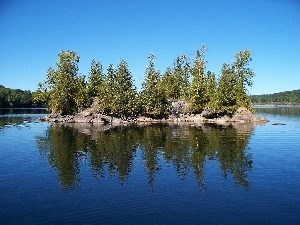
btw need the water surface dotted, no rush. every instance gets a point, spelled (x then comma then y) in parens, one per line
(158, 174)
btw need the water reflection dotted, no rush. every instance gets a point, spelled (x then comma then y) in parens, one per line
(113, 151)
(289, 111)
(14, 117)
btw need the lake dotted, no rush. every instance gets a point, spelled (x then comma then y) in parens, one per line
(158, 174)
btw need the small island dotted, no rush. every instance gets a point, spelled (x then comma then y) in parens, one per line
(185, 92)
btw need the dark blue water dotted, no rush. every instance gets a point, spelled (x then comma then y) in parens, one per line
(150, 175)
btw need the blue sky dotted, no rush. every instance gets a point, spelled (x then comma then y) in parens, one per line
(33, 32)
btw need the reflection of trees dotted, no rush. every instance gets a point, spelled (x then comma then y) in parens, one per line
(114, 149)
(290, 111)
(60, 146)
(113, 152)
(232, 155)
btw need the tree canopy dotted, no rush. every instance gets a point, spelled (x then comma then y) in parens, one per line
(16, 98)
(286, 97)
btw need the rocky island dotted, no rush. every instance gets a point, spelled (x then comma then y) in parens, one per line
(185, 93)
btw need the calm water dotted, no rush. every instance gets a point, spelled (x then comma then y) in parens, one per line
(157, 174)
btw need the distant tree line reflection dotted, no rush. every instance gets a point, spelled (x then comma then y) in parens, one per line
(114, 151)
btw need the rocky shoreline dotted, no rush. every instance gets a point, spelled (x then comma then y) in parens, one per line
(91, 116)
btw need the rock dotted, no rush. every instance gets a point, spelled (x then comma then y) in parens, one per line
(243, 115)
(97, 120)
(86, 113)
(179, 107)
(79, 119)
(106, 119)
(262, 119)
(208, 114)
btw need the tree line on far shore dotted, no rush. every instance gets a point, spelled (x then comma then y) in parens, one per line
(66, 92)
(16, 98)
(281, 98)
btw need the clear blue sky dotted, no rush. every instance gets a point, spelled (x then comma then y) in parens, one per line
(33, 32)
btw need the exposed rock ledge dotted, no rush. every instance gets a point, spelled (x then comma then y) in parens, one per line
(90, 115)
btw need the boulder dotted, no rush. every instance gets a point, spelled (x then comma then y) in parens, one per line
(208, 114)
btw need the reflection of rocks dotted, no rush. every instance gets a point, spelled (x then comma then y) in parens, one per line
(178, 115)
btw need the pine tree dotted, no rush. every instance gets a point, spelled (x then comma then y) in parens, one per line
(106, 99)
(168, 84)
(227, 91)
(232, 92)
(60, 88)
(199, 97)
(244, 77)
(124, 94)
(96, 79)
(153, 98)
(211, 90)
(82, 94)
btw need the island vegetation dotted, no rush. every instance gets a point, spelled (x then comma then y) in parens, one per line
(66, 92)
(281, 98)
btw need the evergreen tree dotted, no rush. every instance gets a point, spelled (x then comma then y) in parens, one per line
(232, 92)
(153, 98)
(199, 96)
(82, 94)
(244, 77)
(227, 91)
(181, 78)
(185, 85)
(96, 79)
(168, 84)
(106, 99)
(60, 88)
(211, 90)
(124, 92)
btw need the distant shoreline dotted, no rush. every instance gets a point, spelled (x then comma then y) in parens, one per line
(276, 105)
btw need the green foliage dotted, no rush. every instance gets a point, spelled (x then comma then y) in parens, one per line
(187, 149)
(211, 89)
(286, 97)
(227, 91)
(175, 82)
(153, 99)
(124, 95)
(117, 93)
(232, 92)
(169, 85)
(106, 93)
(64, 90)
(96, 79)
(182, 75)
(15, 98)
(199, 97)
(82, 98)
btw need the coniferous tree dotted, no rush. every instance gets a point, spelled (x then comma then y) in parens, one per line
(60, 88)
(198, 92)
(96, 79)
(153, 98)
(185, 85)
(227, 91)
(244, 77)
(211, 90)
(168, 84)
(106, 98)
(232, 92)
(124, 92)
(82, 98)
(181, 78)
